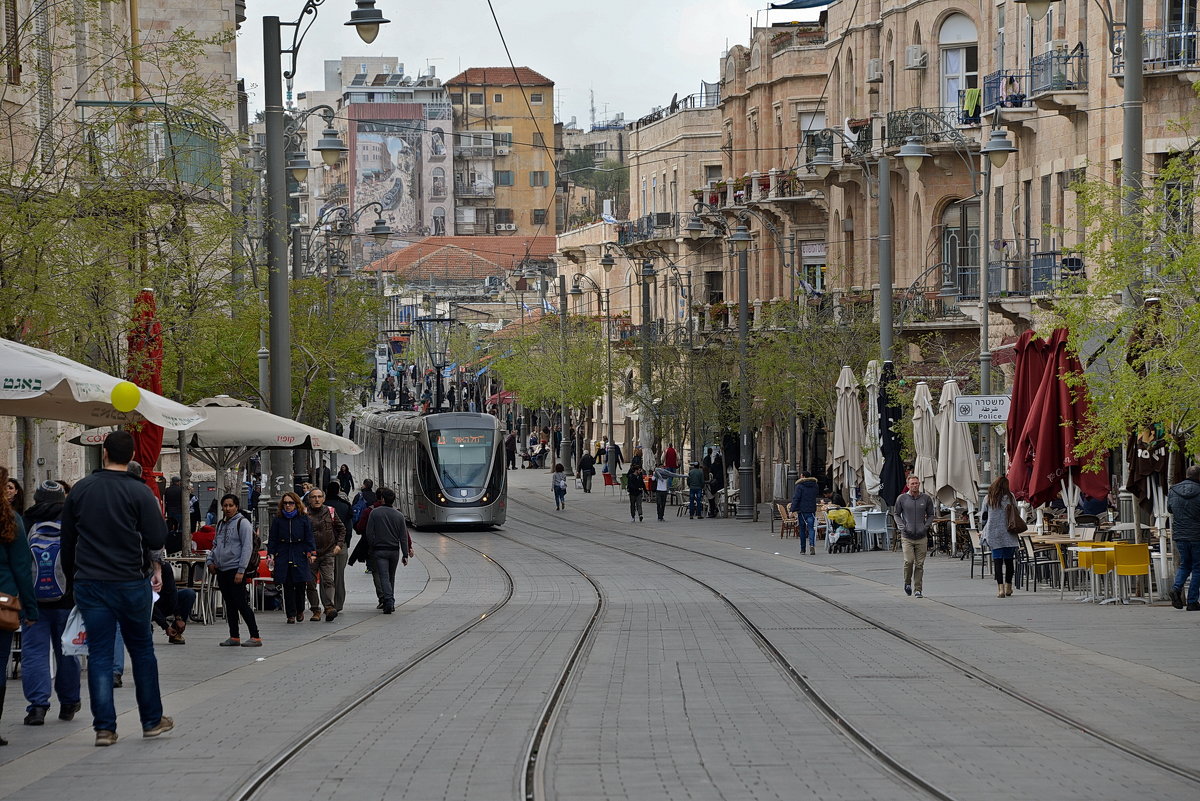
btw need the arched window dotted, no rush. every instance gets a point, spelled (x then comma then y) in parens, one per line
(958, 43)
(755, 57)
(439, 221)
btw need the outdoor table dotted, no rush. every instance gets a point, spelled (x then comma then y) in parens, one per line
(1095, 596)
(206, 598)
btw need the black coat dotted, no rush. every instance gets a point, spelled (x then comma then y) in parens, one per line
(1184, 502)
(587, 465)
(290, 543)
(804, 500)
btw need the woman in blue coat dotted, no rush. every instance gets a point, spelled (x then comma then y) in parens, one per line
(16, 576)
(291, 549)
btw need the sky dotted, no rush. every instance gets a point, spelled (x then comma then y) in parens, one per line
(633, 54)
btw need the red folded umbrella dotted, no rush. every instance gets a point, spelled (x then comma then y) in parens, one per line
(145, 370)
(1031, 358)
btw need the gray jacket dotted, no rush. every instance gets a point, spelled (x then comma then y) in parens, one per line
(387, 531)
(232, 544)
(914, 515)
(996, 527)
(1184, 503)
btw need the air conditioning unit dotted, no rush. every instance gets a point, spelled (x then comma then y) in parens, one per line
(1056, 45)
(664, 219)
(506, 227)
(875, 70)
(915, 57)
(502, 151)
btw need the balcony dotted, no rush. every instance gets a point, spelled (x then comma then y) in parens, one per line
(438, 191)
(798, 35)
(478, 189)
(1058, 71)
(475, 152)
(930, 125)
(1050, 272)
(1173, 50)
(662, 225)
(1006, 89)
(775, 185)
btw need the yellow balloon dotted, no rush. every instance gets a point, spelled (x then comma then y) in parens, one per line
(125, 396)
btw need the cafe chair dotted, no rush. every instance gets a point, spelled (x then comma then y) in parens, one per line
(1103, 563)
(978, 554)
(1036, 561)
(1129, 560)
(1081, 568)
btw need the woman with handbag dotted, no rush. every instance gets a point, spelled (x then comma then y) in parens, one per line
(17, 600)
(291, 550)
(1000, 530)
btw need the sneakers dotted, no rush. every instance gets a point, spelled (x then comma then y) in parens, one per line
(908, 589)
(1193, 607)
(164, 725)
(918, 594)
(67, 712)
(812, 550)
(105, 737)
(315, 617)
(36, 716)
(1176, 598)
(232, 642)
(253, 642)
(330, 615)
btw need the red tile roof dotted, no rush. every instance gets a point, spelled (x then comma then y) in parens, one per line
(500, 76)
(464, 258)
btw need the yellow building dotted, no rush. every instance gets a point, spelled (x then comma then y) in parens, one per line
(504, 152)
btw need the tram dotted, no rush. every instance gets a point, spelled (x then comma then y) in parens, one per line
(447, 469)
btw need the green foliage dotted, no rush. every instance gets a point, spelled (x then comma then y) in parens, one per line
(1142, 363)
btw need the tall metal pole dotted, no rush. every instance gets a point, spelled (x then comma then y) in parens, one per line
(567, 448)
(611, 451)
(745, 509)
(885, 258)
(280, 330)
(793, 463)
(985, 348)
(647, 438)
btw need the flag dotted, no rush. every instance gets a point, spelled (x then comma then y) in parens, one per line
(608, 218)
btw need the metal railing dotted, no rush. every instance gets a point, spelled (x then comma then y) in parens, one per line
(968, 280)
(475, 152)
(155, 141)
(648, 226)
(1059, 71)
(1007, 89)
(477, 189)
(798, 36)
(1172, 48)
(972, 116)
(928, 124)
(1050, 271)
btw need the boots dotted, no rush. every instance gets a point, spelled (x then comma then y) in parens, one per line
(999, 590)
(1008, 589)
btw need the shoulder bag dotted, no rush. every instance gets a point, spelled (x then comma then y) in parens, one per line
(1013, 520)
(10, 612)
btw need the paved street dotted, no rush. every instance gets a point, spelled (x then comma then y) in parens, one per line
(682, 659)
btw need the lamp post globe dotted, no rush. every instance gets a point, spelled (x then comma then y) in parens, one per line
(366, 19)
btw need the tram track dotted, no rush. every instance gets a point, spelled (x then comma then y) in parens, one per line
(965, 668)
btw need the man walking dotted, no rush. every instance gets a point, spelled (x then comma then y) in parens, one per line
(587, 469)
(662, 486)
(389, 541)
(804, 504)
(1184, 503)
(110, 524)
(510, 451)
(330, 537)
(695, 484)
(914, 514)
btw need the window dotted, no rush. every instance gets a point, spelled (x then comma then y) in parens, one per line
(12, 43)
(538, 216)
(475, 99)
(1047, 232)
(502, 139)
(538, 139)
(960, 246)
(539, 178)
(504, 216)
(362, 69)
(714, 291)
(456, 98)
(960, 58)
(712, 173)
(535, 98)
(497, 98)
(504, 177)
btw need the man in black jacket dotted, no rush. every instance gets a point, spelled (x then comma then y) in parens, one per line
(341, 508)
(111, 522)
(1184, 503)
(388, 539)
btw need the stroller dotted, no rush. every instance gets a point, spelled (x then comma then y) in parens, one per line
(842, 537)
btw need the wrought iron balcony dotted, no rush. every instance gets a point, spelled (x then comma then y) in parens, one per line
(1059, 71)
(1173, 49)
(930, 125)
(802, 35)
(1006, 89)
(1051, 272)
(649, 226)
(972, 116)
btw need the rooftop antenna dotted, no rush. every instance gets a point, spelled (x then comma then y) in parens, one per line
(592, 103)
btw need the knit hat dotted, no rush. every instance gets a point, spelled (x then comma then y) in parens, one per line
(49, 492)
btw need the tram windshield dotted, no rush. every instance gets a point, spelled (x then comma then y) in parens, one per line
(462, 456)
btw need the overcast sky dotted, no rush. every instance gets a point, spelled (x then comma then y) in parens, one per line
(634, 54)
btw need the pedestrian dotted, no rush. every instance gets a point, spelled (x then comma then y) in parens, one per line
(510, 451)
(41, 641)
(804, 504)
(174, 605)
(291, 551)
(635, 485)
(389, 541)
(671, 457)
(914, 513)
(16, 495)
(662, 486)
(228, 561)
(587, 469)
(111, 521)
(1183, 501)
(341, 507)
(366, 493)
(16, 578)
(695, 485)
(330, 536)
(345, 479)
(995, 532)
(636, 459)
(558, 483)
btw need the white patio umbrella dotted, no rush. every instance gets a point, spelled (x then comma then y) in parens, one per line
(957, 469)
(39, 383)
(873, 457)
(925, 438)
(847, 435)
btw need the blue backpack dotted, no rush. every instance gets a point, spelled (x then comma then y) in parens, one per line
(359, 507)
(45, 543)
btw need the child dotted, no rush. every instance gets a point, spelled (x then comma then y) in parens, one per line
(558, 483)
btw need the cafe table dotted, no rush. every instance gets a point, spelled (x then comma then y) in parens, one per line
(1097, 548)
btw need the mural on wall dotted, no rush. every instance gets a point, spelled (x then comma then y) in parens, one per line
(388, 170)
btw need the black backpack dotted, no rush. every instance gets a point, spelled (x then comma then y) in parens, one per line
(255, 558)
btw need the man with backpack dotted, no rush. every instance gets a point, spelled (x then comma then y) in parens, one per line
(43, 638)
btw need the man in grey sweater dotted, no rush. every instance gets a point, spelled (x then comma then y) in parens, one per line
(388, 539)
(914, 514)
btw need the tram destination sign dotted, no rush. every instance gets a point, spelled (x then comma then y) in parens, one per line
(981, 409)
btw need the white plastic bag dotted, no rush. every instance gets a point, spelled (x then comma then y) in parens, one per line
(74, 638)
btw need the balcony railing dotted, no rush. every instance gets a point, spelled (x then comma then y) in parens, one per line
(798, 36)
(1006, 89)
(478, 189)
(1050, 270)
(1059, 71)
(928, 124)
(649, 226)
(972, 116)
(475, 152)
(1172, 49)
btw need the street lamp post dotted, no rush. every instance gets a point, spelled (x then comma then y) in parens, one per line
(605, 302)
(567, 449)
(647, 440)
(366, 20)
(740, 239)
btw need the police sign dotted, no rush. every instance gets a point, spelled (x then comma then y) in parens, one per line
(981, 409)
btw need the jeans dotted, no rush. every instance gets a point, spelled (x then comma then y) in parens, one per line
(660, 502)
(385, 570)
(38, 641)
(109, 606)
(237, 603)
(635, 505)
(808, 528)
(587, 481)
(560, 497)
(1189, 562)
(696, 502)
(915, 552)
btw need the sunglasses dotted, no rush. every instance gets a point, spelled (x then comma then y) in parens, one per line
(289, 503)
